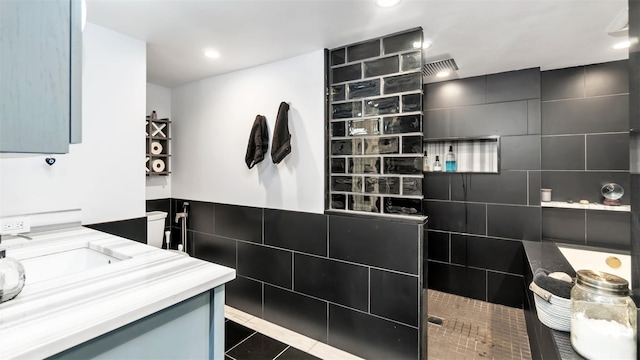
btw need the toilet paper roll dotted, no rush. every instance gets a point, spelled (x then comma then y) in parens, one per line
(158, 165)
(156, 148)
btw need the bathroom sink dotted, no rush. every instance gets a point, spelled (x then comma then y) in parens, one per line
(612, 263)
(49, 266)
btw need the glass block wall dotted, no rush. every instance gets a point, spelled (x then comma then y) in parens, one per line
(375, 126)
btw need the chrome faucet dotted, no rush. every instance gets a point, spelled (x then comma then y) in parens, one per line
(183, 215)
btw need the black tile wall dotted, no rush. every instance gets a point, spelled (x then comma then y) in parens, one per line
(458, 280)
(608, 152)
(304, 232)
(436, 186)
(520, 152)
(514, 222)
(476, 216)
(244, 294)
(609, 229)
(438, 246)
(563, 152)
(508, 118)
(507, 187)
(290, 278)
(366, 241)
(456, 216)
(567, 225)
(239, 222)
(535, 184)
(317, 277)
(500, 289)
(487, 253)
(200, 217)
(607, 78)
(215, 249)
(470, 91)
(369, 336)
(132, 229)
(586, 115)
(265, 264)
(508, 86)
(534, 117)
(302, 314)
(437, 124)
(562, 84)
(390, 291)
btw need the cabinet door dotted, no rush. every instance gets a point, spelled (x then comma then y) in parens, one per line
(75, 134)
(35, 76)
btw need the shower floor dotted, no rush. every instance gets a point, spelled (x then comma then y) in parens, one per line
(474, 329)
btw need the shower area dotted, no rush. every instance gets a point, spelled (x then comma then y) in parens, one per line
(385, 110)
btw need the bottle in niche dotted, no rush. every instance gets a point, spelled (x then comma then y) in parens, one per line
(436, 164)
(450, 161)
(425, 162)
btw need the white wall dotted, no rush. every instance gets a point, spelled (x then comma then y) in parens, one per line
(159, 99)
(105, 174)
(213, 118)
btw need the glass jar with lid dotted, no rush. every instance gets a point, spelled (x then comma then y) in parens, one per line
(603, 316)
(11, 277)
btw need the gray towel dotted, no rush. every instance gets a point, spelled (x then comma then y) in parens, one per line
(556, 287)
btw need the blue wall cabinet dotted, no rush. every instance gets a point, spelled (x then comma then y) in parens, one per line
(41, 75)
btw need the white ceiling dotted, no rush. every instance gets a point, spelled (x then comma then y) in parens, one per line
(483, 36)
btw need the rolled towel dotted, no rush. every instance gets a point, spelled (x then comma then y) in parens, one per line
(555, 286)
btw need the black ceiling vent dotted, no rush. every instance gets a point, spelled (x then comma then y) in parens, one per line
(433, 68)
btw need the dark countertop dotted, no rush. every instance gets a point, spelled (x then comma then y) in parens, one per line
(546, 255)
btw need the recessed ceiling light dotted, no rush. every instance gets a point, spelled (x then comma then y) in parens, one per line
(622, 45)
(387, 3)
(443, 74)
(211, 54)
(424, 45)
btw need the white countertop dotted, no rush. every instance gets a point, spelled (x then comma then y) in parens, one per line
(51, 316)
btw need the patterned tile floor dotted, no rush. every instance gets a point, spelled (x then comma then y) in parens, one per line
(242, 343)
(470, 329)
(248, 337)
(474, 329)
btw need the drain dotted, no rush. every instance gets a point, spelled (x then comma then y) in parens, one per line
(435, 320)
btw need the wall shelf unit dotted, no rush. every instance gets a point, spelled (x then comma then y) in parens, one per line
(473, 155)
(590, 206)
(158, 138)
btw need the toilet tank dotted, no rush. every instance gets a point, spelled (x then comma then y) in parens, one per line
(155, 228)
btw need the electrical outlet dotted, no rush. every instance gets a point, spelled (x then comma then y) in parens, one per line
(14, 225)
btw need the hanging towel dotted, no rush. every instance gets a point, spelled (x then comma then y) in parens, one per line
(258, 141)
(281, 145)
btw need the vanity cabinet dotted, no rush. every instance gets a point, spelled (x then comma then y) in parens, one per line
(41, 72)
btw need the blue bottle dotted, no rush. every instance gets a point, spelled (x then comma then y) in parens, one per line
(450, 161)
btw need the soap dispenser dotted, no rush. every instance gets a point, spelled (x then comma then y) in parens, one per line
(11, 277)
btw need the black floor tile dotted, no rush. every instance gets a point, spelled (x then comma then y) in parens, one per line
(295, 354)
(234, 334)
(258, 347)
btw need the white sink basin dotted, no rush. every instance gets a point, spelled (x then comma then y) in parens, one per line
(45, 267)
